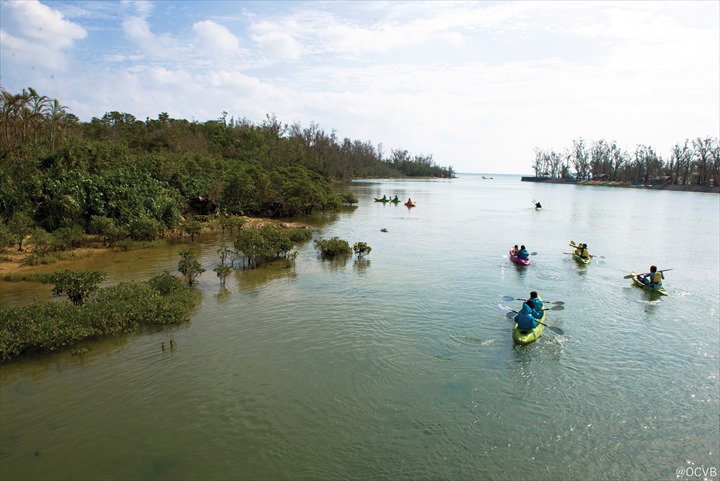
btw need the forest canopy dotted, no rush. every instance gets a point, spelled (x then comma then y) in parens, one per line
(691, 162)
(126, 176)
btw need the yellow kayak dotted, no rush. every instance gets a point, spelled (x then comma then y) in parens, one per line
(522, 336)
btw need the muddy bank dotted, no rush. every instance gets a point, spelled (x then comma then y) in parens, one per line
(13, 261)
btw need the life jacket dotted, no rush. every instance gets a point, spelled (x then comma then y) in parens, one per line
(656, 278)
(584, 253)
(525, 319)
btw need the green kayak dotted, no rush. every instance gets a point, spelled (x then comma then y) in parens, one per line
(654, 290)
(582, 260)
(521, 336)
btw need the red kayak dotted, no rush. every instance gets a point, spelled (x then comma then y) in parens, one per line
(517, 260)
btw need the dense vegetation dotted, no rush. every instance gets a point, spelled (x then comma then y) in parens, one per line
(120, 177)
(123, 308)
(692, 162)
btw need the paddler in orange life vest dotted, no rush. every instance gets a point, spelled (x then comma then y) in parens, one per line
(653, 279)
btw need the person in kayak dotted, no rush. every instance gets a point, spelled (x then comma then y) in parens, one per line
(526, 318)
(537, 303)
(384, 197)
(653, 278)
(582, 251)
(538, 206)
(522, 253)
(396, 199)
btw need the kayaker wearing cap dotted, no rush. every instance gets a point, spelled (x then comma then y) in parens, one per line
(537, 303)
(522, 253)
(653, 278)
(525, 319)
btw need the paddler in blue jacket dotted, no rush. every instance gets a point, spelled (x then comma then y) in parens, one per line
(522, 253)
(525, 319)
(653, 278)
(537, 302)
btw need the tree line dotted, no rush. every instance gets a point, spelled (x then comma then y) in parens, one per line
(692, 162)
(126, 178)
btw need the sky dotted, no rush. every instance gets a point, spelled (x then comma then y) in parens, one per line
(478, 85)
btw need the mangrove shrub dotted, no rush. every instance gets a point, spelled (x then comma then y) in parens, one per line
(334, 247)
(189, 266)
(122, 308)
(77, 285)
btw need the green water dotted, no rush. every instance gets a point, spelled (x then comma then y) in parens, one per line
(402, 366)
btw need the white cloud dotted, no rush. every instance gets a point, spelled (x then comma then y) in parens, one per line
(477, 84)
(42, 35)
(138, 29)
(277, 41)
(215, 39)
(44, 25)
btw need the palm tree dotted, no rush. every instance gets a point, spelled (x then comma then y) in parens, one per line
(56, 118)
(34, 114)
(10, 105)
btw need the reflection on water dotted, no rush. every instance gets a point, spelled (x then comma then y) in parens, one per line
(399, 366)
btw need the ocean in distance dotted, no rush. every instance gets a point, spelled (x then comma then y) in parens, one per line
(402, 366)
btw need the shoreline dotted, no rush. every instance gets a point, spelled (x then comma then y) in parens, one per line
(17, 258)
(626, 185)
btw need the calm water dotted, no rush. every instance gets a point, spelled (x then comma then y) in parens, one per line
(402, 367)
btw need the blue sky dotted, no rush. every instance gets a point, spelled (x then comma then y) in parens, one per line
(479, 85)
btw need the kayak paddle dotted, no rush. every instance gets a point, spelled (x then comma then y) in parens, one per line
(630, 276)
(510, 298)
(553, 308)
(556, 330)
(573, 244)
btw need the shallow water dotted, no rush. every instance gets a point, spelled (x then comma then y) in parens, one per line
(402, 366)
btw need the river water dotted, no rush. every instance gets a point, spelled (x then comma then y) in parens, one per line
(402, 366)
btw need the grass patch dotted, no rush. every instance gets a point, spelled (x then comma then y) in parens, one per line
(25, 277)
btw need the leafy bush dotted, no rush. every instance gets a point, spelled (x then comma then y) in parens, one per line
(6, 237)
(107, 229)
(348, 198)
(42, 241)
(189, 266)
(192, 228)
(361, 249)
(299, 235)
(222, 272)
(259, 246)
(166, 284)
(45, 327)
(67, 238)
(122, 308)
(231, 223)
(77, 285)
(334, 247)
(146, 229)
